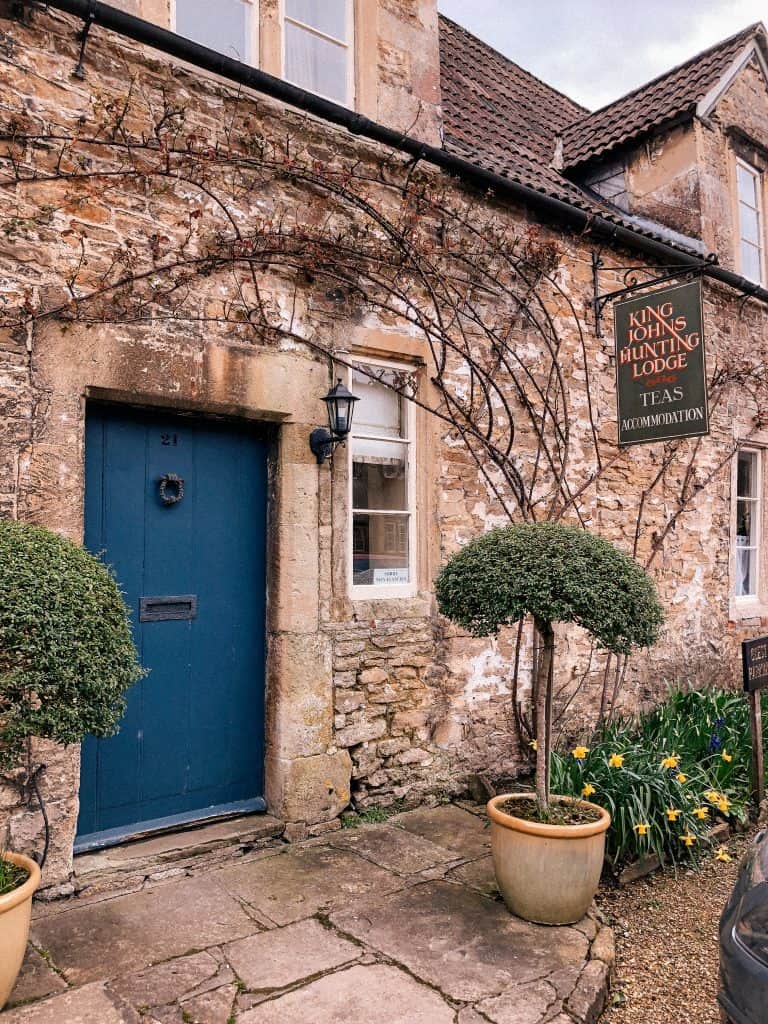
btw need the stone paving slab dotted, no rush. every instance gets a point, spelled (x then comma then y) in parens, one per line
(278, 958)
(304, 880)
(361, 995)
(88, 1005)
(36, 979)
(467, 946)
(477, 874)
(392, 924)
(450, 827)
(117, 936)
(395, 849)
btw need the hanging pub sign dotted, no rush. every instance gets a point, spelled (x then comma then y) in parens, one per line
(661, 375)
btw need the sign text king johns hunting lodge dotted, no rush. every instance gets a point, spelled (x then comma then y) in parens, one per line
(661, 376)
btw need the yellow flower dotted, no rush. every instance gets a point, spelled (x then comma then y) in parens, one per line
(688, 839)
(724, 805)
(580, 753)
(670, 762)
(681, 777)
(588, 790)
(673, 813)
(641, 828)
(712, 795)
(700, 812)
(726, 756)
(534, 744)
(616, 761)
(722, 855)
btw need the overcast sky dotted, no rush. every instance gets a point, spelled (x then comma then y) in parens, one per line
(596, 50)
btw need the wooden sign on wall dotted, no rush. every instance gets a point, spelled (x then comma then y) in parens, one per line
(661, 374)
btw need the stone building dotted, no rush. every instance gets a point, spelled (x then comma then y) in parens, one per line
(285, 607)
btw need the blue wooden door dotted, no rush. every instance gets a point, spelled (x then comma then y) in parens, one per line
(178, 507)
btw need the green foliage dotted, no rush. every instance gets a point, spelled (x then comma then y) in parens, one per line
(373, 816)
(706, 732)
(66, 652)
(556, 573)
(11, 877)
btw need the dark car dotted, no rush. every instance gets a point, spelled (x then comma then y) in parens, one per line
(744, 941)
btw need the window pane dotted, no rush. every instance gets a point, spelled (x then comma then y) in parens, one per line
(747, 185)
(746, 572)
(749, 223)
(379, 475)
(746, 475)
(223, 26)
(379, 550)
(746, 523)
(750, 262)
(329, 16)
(380, 411)
(315, 64)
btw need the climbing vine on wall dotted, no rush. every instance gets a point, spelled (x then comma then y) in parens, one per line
(286, 229)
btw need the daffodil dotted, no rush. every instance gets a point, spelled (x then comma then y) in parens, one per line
(700, 812)
(681, 777)
(712, 795)
(670, 762)
(673, 813)
(726, 756)
(688, 839)
(580, 753)
(722, 855)
(616, 761)
(724, 805)
(641, 828)
(588, 790)
(534, 744)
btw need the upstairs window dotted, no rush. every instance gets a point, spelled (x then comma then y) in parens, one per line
(382, 484)
(317, 47)
(748, 515)
(227, 26)
(749, 189)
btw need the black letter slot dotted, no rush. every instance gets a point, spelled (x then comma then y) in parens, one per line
(160, 609)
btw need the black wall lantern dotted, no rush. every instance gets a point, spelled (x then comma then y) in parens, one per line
(340, 403)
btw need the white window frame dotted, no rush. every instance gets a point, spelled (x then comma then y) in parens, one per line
(252, 58)
(372, 592)
(754, 598)
(757, 177)
(349, 44)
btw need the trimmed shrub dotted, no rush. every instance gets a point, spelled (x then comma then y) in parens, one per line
(555, 573)
(66, 652)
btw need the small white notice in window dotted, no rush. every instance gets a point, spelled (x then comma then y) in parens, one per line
(390, 576)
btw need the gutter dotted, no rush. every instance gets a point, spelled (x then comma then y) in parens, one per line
(93, 12)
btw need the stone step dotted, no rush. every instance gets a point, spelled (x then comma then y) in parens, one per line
(174, 853)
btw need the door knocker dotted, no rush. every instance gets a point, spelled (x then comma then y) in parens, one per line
(171, 489)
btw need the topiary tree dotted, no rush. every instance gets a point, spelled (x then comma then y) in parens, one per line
(555, 573)
(66, 651)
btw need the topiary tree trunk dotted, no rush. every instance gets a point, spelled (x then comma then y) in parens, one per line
(542, 692)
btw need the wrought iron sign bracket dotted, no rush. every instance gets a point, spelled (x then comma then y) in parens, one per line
(635, 279)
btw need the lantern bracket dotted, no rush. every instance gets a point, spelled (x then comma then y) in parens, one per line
(322, 444)
(636, 278)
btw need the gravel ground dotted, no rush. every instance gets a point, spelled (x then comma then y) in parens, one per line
(667, 944)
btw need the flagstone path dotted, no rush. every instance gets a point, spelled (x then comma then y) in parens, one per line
(398, 923)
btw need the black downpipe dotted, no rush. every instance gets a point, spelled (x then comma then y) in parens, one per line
(141, 31)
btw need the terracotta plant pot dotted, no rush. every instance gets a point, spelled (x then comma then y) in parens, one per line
(547, 873)
(15, 912)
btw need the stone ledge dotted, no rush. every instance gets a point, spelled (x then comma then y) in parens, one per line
(164, 856)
